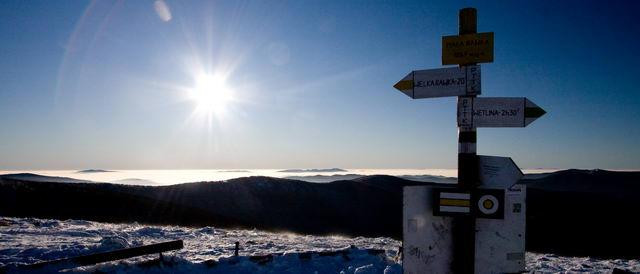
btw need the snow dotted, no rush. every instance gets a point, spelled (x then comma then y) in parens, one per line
(28, 240)
(554, 263)
(208, 249)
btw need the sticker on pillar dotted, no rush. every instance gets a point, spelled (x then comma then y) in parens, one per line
(451, 202)
(489, 203)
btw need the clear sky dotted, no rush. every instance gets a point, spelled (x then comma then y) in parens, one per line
(110, 84)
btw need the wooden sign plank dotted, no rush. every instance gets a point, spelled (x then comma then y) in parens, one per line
(498, 172)
(500, 242)
(497, 112)
(467, 48)
(430, 83)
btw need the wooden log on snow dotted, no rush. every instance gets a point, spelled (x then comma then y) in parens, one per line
(110, 255)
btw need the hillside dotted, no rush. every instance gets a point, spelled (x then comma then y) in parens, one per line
(575, 212)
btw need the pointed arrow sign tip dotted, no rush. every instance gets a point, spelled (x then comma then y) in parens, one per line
(532, 112)
(498, 172)
(406, 85)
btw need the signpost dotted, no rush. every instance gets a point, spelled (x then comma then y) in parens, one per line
(479, 224)
(442, 82)
(497, 112)
(498, 172)
(467, 48)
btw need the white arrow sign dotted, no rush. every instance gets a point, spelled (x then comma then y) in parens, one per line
(498, 172)
(453, 81)
(497, 112)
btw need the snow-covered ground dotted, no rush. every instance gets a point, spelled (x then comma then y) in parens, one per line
(28, 240)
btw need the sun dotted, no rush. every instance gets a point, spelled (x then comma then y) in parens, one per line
(210, 94)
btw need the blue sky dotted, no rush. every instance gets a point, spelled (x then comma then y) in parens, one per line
(105, 84)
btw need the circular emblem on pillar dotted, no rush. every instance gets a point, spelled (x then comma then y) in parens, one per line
(488, 204)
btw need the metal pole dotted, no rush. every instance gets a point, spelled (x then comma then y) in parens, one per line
(464, 227)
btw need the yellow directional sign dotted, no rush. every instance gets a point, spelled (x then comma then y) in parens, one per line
(467, 49)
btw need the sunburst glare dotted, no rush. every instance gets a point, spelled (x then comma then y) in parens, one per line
(211, 94)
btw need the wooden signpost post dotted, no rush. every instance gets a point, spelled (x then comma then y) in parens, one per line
(466, 49)
(485, 202)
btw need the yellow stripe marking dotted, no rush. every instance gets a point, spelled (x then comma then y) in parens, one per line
(454, 202)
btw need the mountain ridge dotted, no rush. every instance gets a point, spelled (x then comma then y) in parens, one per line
(574, 212)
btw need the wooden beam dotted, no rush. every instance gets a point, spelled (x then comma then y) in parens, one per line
(110, 255)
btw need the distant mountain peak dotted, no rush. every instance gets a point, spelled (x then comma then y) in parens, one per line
(314, 170)
(93, 171)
